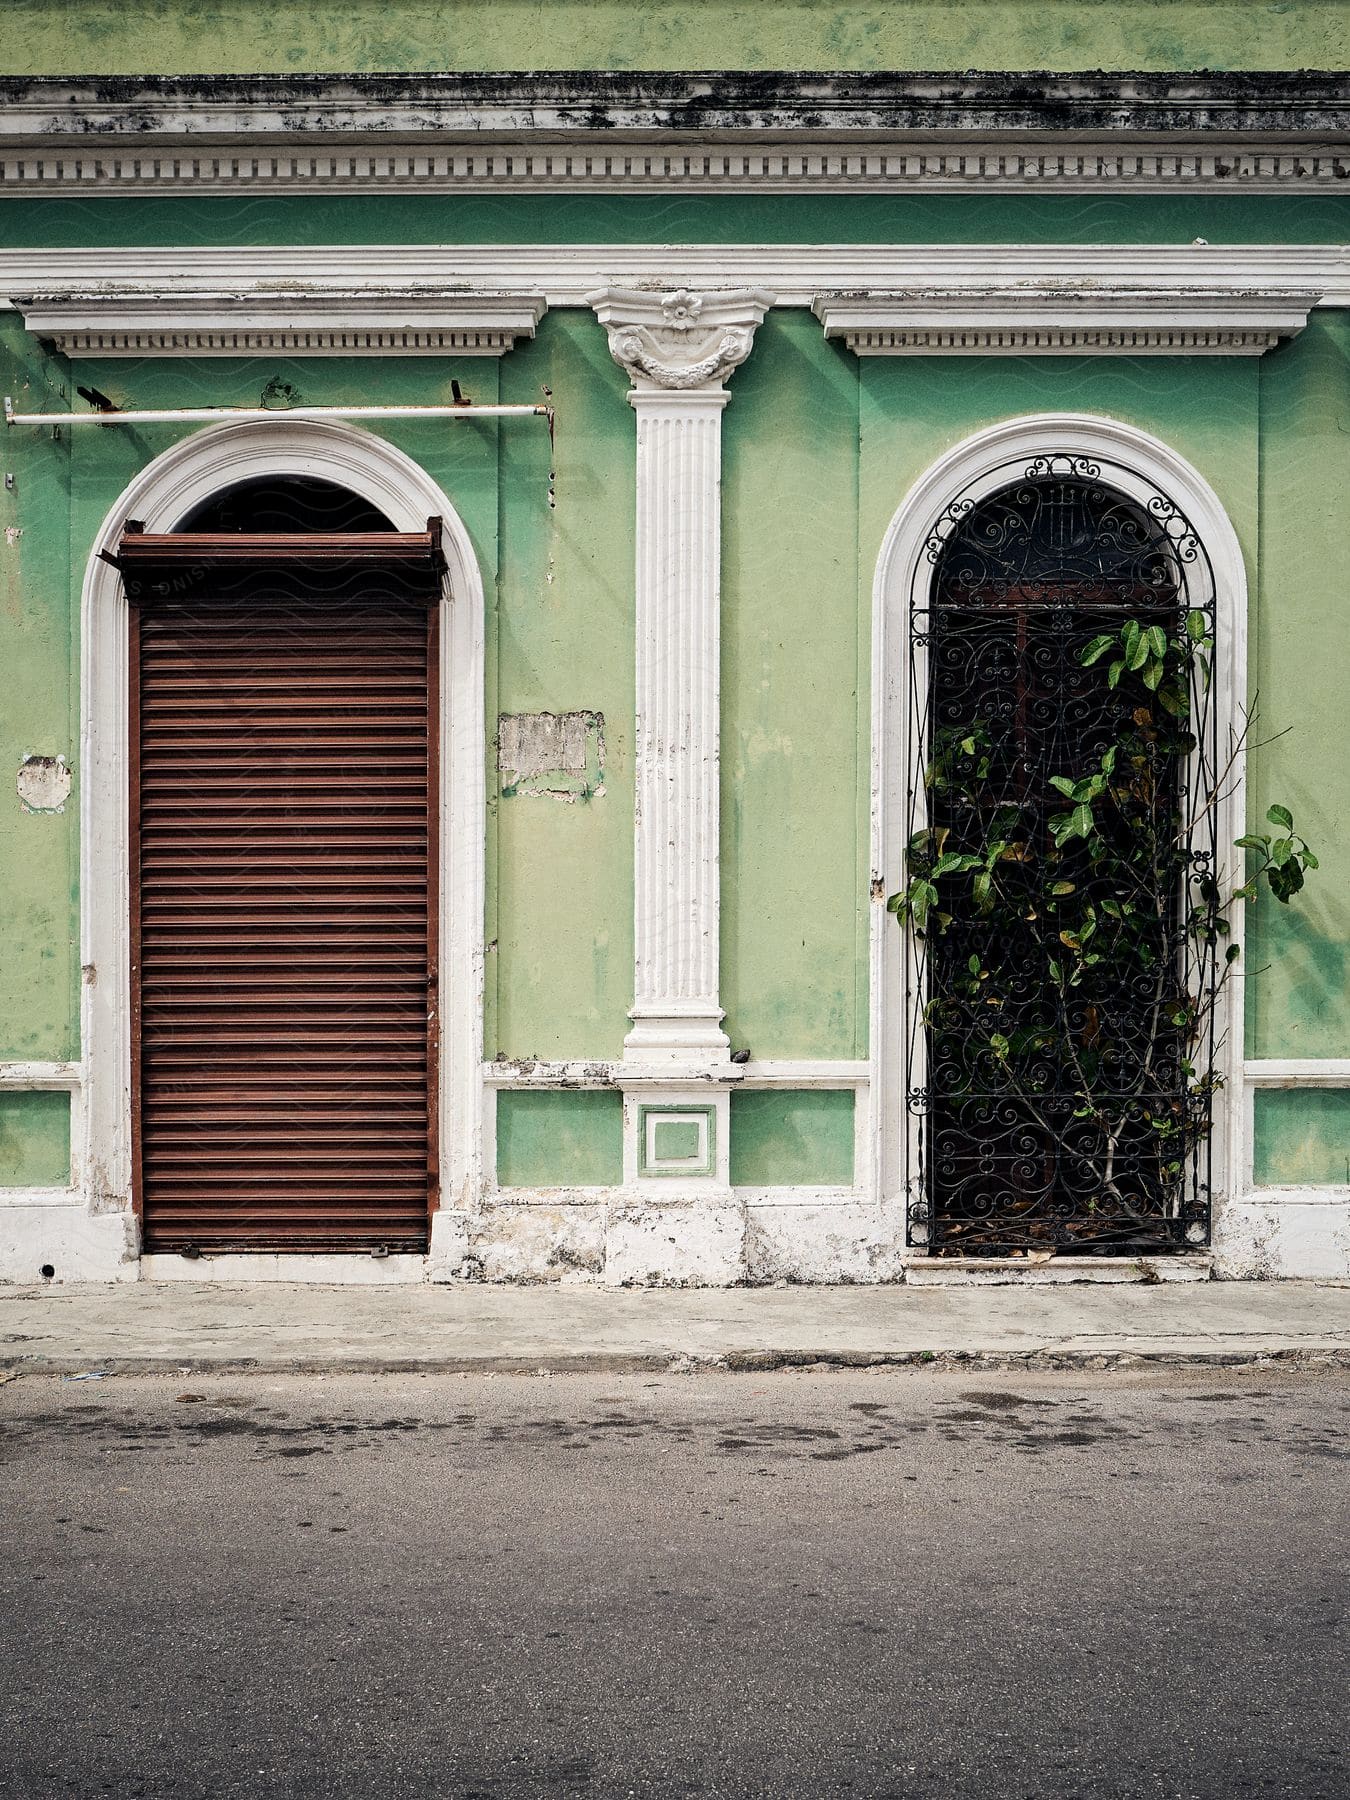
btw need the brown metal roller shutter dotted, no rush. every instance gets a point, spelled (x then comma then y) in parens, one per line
(284, 805)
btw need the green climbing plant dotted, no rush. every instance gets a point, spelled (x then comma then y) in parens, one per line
(1078, 936)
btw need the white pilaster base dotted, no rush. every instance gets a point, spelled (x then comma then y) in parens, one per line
(669, 1032)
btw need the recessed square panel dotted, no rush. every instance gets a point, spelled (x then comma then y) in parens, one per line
(676, 1140)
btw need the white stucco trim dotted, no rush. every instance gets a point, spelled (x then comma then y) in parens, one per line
(678, 348)
(1299, 1072)
(162, 495)
(603, 1074)
(36, 1077)
(152, 279)
(1140, 465)
(355, 1270)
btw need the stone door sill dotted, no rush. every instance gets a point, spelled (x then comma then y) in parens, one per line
(1001, 1271)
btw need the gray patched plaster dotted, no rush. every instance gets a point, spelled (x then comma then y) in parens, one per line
(43, 784)
(558, 756)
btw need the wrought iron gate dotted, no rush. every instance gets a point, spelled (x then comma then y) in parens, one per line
(1062, 819)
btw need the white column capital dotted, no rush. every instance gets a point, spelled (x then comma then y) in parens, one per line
(679, 342)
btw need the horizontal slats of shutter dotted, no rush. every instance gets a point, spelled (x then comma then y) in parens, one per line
(284, 907)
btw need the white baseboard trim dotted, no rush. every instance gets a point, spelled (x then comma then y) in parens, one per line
(316, 1270)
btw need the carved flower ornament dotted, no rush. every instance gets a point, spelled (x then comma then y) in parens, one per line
(682, 309)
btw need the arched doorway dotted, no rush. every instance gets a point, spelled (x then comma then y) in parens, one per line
(1055, 1032)
(229, 477)
(283, 828)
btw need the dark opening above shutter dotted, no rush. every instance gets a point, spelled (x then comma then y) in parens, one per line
(415, 559)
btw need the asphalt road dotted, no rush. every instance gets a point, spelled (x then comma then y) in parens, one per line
(899, 1583)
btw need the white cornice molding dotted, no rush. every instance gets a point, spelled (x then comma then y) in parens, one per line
(302, 322)
(236, 277)
(1063, 320)
(768, 131)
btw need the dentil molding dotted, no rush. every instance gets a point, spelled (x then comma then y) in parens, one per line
(630, 166)
(1063, 319)
(299, 322)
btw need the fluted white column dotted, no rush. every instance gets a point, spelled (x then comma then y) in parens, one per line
(679, 348)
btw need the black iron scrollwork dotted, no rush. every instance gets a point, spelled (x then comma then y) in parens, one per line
(1057, 1112)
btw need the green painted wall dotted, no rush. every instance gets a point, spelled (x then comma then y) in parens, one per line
(916, 408)
(780, 1137)
(794, 818)
(819, 450)
(243, 36)
(39, 938)
(686, 219)
(1302, 1137)
(560, 974)
(565, 1139)
(1298, 960)
(34, 1140)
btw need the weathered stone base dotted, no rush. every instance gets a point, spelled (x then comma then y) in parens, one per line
(1284, 1233)
(835, 1243)
(609, 1237)
(67, 1239)
(1298, 1234)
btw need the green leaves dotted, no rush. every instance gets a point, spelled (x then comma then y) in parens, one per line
(1064, 827)
(1062, 895)
(1282, 861)
(960, 761)
(1135, 640)
(1146, 651)
(915, 902)
(1079, 821)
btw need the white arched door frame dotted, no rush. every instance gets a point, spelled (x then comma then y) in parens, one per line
(162, 496)
(1141, 466)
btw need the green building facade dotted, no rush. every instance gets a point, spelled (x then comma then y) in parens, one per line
(725, 349)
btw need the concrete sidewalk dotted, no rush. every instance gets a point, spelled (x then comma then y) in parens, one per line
(146, 1326)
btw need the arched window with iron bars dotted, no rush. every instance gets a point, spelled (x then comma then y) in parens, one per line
(1062, 868)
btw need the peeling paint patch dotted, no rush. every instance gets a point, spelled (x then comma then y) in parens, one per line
(43, 784)
(535, 1072)
(552, 756)
(12, 535)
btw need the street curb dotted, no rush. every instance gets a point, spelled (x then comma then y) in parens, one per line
(1318, 1357)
